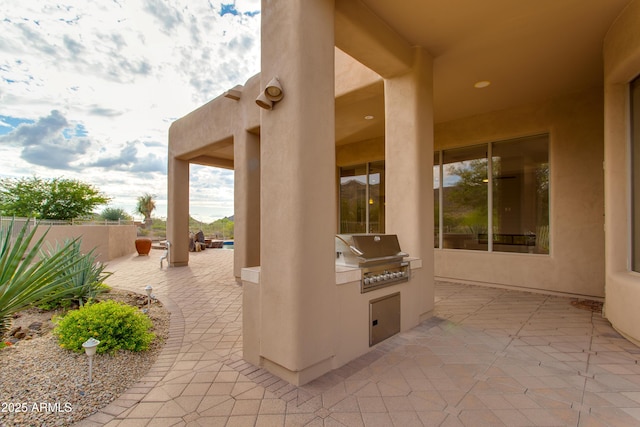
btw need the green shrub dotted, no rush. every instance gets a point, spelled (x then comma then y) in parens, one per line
(117, 326)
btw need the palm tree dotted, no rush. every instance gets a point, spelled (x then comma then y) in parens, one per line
(146, 205)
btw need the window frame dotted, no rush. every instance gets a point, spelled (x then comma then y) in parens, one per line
(490, 196)
(634, 193)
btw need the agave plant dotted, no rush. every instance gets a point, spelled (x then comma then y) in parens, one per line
(25, 277)
(83, 279)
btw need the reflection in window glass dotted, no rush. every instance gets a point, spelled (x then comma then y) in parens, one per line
(521, 195)
(635, 148)
(464, 201)
(376, 197)
(436, 199)
(362, 198)
(353, 199)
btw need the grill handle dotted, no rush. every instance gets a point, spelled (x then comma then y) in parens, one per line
(352, 248)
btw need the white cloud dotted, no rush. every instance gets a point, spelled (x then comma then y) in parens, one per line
(89, 88)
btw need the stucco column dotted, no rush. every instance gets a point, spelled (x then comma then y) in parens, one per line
(178, 212)
(409, 158)
(621, 66)
(298, 201)
(246, 155)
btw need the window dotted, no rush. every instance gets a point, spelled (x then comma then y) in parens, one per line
(510, 179)
(464, 198)
(635, 167)
(376, 197)
(362, 198)
(521, 195)
(436, 199)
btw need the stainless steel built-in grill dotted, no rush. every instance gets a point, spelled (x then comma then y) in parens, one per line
(378, 255)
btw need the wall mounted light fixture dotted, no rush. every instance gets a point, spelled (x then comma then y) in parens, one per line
(273, 90)
(264, 102)
(271, 94)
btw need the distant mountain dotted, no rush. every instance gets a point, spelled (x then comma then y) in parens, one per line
(194, 222)
(219, 229)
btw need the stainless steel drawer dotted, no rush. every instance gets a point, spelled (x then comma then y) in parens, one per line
(384, 318)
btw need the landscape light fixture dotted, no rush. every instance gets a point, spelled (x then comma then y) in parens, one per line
(148, 290)
(271, 94)
(90, 349)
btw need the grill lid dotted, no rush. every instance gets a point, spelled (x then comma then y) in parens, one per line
(362, 250)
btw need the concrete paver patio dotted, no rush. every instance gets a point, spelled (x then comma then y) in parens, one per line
(488, 357)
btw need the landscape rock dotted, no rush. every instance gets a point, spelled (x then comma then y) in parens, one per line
(35, 326)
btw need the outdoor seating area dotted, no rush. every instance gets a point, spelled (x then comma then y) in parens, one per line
(487, 357)
(198, 242)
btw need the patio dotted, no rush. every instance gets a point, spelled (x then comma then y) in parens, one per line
(488, 357)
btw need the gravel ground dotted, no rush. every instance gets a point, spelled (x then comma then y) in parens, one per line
(42, 384)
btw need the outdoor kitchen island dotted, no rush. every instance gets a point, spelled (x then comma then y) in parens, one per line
(361, 315)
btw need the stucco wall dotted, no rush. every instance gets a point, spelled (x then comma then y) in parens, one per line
(576, 262)
(360, 152)
(109, 241)
(622, 64)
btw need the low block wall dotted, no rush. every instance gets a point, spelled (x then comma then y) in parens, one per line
(109, 241)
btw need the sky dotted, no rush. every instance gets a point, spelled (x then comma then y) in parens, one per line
(89, 88)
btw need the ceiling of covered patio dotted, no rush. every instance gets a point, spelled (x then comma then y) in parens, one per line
(529, 51)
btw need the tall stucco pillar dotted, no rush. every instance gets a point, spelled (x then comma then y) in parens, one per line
(178, 212)
(246, 155)
(298, 200)
(409, 160)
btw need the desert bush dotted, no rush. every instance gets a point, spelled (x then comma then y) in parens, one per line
(114, 214)
(117, 326)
